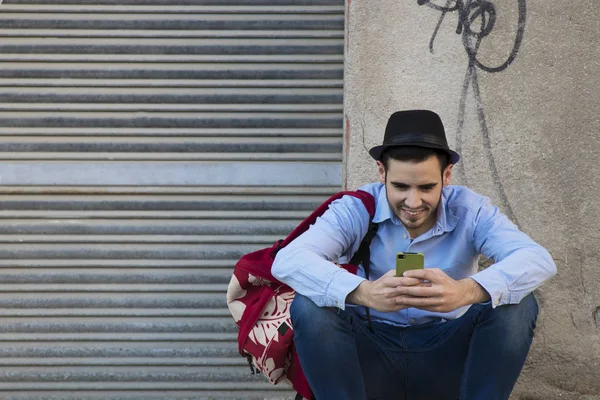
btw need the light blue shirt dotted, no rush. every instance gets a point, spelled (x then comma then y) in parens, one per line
(467, 225)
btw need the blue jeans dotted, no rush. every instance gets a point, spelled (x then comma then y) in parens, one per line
(477, 356)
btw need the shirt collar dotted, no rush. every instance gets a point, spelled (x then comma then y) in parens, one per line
(382, 208)
(446, 220)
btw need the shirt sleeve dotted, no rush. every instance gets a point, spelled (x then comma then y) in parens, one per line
(307, 264)
(521, 265)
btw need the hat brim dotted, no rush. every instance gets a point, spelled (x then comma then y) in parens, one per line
(376, 151)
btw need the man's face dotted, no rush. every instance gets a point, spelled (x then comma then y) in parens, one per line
(414, 191)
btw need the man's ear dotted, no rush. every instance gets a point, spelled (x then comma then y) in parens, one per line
(381, 172)
(447, 175)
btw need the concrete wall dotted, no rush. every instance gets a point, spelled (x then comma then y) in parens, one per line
(528, 135)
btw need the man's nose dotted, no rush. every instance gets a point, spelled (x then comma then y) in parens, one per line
(413, 200)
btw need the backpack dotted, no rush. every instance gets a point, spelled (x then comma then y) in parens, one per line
(260, 304)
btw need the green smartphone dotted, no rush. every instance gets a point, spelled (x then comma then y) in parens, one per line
(407, 261)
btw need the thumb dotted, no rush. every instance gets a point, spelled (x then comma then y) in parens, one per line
(391, 272)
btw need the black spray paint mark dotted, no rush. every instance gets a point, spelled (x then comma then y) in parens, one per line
(476, 19)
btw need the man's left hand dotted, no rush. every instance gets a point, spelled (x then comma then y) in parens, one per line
(444, 295)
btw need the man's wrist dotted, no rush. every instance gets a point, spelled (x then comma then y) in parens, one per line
(359, 296)
(474, 292)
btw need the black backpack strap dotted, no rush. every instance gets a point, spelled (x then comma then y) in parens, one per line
(363, 255)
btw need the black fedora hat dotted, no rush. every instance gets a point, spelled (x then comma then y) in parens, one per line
(422, 128)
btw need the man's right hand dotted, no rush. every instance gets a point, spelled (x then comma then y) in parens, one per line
(382, 294)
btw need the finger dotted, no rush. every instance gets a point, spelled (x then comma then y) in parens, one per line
(420, 285)
(419, 291)
(404, 281)
(418, 302)
(432, 275)
(391, 281)
(391, 292)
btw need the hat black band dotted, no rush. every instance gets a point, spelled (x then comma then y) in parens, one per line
(416, 139)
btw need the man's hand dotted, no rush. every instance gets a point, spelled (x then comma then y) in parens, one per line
(444, 294)
(382, 294)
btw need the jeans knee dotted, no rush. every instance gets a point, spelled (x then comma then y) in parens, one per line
(517, 321)
(529, 308)
(523, 314)
(302, 308)
(310, 319)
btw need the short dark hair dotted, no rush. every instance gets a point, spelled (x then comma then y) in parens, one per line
(414, 154)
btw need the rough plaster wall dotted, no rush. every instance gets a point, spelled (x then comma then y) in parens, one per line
(529, 141)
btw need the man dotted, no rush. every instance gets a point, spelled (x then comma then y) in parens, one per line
(443, 332)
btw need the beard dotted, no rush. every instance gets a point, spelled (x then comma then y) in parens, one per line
(415, 218)
(418, 220)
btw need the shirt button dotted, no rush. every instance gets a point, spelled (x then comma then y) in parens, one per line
(412, 321)
(404, 236)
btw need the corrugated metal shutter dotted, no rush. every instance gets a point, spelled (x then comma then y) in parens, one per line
(144, 146)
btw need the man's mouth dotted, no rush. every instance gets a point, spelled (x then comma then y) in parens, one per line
(412, 213)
